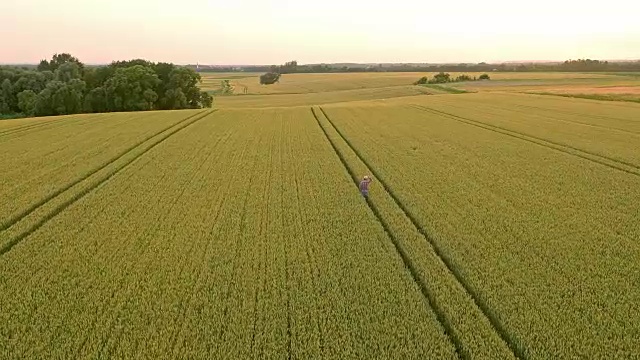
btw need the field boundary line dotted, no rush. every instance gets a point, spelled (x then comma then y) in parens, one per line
(440, 317)
(512, 343)
(567, 149)
(26, 212)
(58, 209)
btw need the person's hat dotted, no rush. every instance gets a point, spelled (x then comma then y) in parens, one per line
(366, 177)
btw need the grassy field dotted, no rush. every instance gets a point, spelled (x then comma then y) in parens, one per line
(501, 224)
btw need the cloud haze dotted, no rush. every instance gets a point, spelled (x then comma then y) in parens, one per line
(266, 32)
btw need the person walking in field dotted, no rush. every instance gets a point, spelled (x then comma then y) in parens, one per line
(364, 186)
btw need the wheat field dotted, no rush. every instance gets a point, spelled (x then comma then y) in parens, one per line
(500, 224)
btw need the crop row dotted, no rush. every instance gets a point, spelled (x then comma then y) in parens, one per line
(618, 135)
(546, 239)
(237, 237)
(40, 164)
(466, 324)
(20, 127)
(23, 224)
(613, 163)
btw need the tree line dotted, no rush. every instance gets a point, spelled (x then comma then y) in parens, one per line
(64, 85)
(580, 65)
(443, 78)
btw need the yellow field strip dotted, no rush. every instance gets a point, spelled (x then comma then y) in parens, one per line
(468, 321)
(239, 237)
(43, 124)
(32, 218)
(545, 238)
(584, 154)
(37, 164)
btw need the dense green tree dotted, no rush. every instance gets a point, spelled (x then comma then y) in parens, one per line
(8, 103)
(57, 60)
(30, 80)
(27, 102)
(421, 81)
(4, 107)
(96, 101)
(130, 63)
(163, 70)
(67, 72)
(269, 78)
(64, 58)
(206, 100)
(44, 65)
(60, 98)
(97, 76)
(186, 80)
(48, 76)
(69, 98)
(440, 78)
(132, 89)
(179, 88)
(44, 104)
(174, 99)
(64, 86)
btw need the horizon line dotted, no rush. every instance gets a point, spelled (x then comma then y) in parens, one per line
(352, 62)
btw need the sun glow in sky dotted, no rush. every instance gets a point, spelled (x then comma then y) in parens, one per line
(272, 32)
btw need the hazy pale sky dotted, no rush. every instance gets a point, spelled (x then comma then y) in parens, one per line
(272, 32)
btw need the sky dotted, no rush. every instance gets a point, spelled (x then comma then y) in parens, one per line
(328, 31)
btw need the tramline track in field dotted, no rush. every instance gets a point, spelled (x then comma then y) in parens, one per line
(10, 237)
(468, 322)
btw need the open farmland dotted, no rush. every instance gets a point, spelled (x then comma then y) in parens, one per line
(213, 81)
(320, 98)
(500, 225)
(318, 89)
(316, 83)
(176, 253)
(544, 233)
